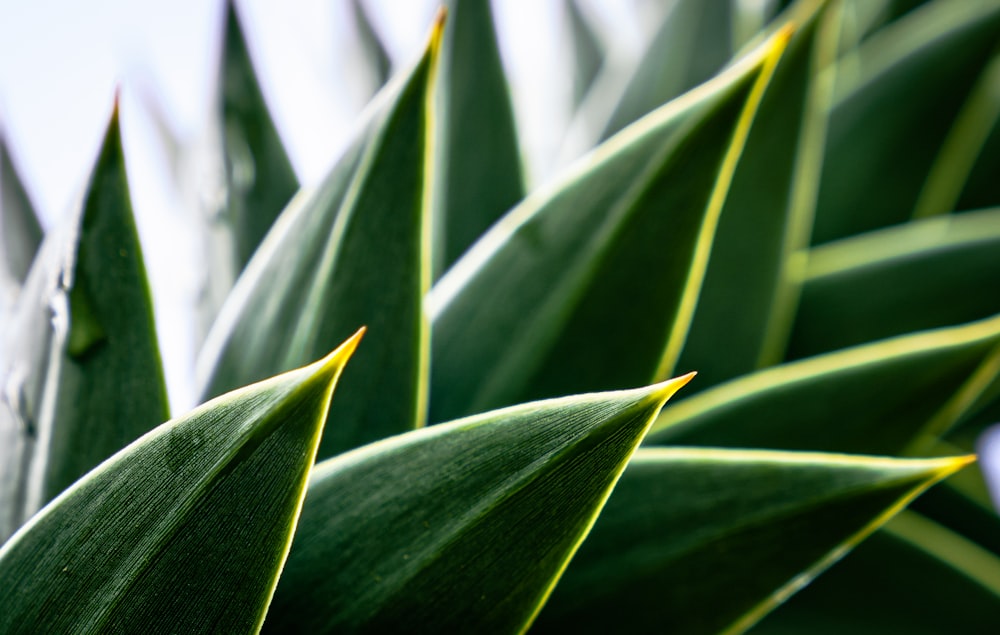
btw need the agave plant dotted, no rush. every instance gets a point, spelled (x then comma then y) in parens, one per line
(796, 205)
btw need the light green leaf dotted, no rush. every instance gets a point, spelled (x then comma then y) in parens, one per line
(20, 233)
(686, 527)
(915, 577)
(767, 213)
(879, 154)
(588, 52)
(925, 274)
(186, 529)
(591, 283)
(478, 164)
(492, 509)
(81, 372)
(374, 52)
(351, 251)
(881, 398)
(259, 174)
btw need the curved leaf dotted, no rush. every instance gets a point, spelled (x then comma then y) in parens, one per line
(460, 527)
(558, 298)
(186, 529)
(351, 251)
(686, 527)
(878, 154)
(767, 212)
(921, 275)
(479, 165)
(876, 399)
(916, 578)
(81, 375)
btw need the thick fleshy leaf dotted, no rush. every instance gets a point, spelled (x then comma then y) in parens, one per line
(747, 292)
(878, 154)
(559, 297)
(881, 398)
(20, 233)
(478, 164)
(913, 577)
(686, 527)
(81, 372)
(349, 252)
(259, 174)
(492, 509)
(921, 275)
(186, 529)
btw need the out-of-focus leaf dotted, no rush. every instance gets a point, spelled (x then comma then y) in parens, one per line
(914, 577)
(373, 50)
(963, 149)
(688, 526)
(980, 188)
(351, 251)
(81, 376)
(590, 285)
(491, 509)
(478, 165)
(767, 212)
(186, 529)
(879, 153)
(20, 233)
(259, 173)
(588, 53)
(871, 399)
(921, 275)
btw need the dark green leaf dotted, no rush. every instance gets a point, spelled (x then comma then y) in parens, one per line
(560, 297)
(259, 175)
(185, 530)
(915, 577)
(479, 166)
(20, 233)
(461, 527)
(881, 398)
(81, 371)
(879, 153)
(767, 213)
(921, 275)
(686, 527)
(349, 252)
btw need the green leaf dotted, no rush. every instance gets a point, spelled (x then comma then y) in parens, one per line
(186, 529)
(879, 154)
(81, 371)
(924, 274)
(258, 172)
(686, 527)
(373, 51)
(492, 509)
(914, 577)
(881, 398)
(558, 298)
(479, 166)
(588, 52)
(19, 229)
(349, 252)
(767, 212)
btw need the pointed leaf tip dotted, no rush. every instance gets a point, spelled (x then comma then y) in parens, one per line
(337, 359)
(663, 391)
(437, 29)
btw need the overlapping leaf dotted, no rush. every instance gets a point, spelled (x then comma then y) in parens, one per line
(259, 174)
(879, 154)
(876, 399)
(185, 530)
(686, 527)
(925, 274)
(351, 251)
(478, 164)
(464, 526)
(81, 371)
(517, 317)
(917, 578)
(20, 233)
